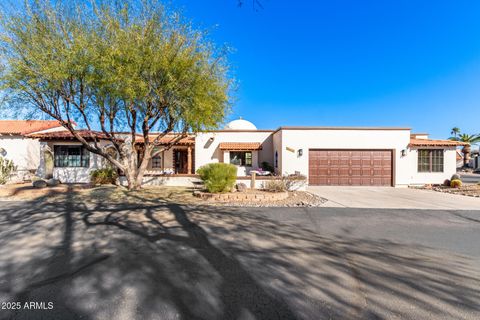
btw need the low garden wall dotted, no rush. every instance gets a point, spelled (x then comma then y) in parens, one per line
(243, 196)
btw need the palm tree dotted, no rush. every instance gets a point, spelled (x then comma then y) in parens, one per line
(455, 131)
(470, 139)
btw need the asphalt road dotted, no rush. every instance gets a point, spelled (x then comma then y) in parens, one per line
(164, 261)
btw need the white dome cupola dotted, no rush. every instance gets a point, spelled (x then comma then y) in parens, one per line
(240, 124)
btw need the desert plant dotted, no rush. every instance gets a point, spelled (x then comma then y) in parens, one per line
(275, 185)
(218, 177)
(285, 183)
(267, 166)
(7, 167)
(104, 176)
(456, 183)
(446, 183)
(455, 177)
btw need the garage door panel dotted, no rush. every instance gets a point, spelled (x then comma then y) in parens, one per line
(350, 167)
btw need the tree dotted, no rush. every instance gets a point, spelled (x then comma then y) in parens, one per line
(455, 132)
(112, 66)
(466, 150)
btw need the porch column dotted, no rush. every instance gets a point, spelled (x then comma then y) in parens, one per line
(189, 160)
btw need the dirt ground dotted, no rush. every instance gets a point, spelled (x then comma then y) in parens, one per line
(149, 194)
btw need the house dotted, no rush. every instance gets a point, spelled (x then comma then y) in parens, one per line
(363, 156)
(16, 145)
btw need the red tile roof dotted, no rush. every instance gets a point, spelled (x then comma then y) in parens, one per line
(435, 143)
(240, 146)
(67, 135)
(22, 127)
(188, 140)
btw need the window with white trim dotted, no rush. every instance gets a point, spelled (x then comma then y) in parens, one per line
(241, 158)
(71, 156)
(430, 160)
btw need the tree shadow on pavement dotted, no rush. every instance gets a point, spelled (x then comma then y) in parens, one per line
(166, 261)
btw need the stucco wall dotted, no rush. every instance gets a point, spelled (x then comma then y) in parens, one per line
(420, 178)
(24, 152)
(207, 151)
(343, 139)
(277, 148)
(77, 174)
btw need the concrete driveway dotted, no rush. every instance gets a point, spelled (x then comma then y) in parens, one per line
(394, 198)
(165, 261)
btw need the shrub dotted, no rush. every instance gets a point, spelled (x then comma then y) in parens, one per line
(6, 169)
(285, 183)
(456, 183)
(218, 177)
(104, 176)
(275, 185)
(267, 166)
(446, 183)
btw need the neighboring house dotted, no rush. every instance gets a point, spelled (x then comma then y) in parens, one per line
(16, 145)
(475, 160)
(325, 155)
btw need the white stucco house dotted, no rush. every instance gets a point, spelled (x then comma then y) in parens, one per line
(358, 156)
(16, 145)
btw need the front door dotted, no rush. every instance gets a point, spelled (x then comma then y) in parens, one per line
(180, 158)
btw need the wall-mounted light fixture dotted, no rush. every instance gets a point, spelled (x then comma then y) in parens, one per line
(300, 152)
(403, 152)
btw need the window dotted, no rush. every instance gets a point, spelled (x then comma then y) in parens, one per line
(430, 160)
(157, 162)
(71, 156)
(241, 158)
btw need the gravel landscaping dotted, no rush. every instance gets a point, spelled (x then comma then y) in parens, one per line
(294, 199)
(83, 193)
(470, 190)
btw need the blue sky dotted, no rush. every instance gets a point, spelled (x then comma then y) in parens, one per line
(351, 63)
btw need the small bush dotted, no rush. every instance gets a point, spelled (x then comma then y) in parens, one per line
(285, 183)
(218, 177)
(6, 169)
(276, 185)
(267, 166)
(456, 183)
(104, 176)
(446, 183)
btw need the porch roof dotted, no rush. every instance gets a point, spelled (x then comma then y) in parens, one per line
(435, 143)
(67, 135)
(240, 146)
(169, 138)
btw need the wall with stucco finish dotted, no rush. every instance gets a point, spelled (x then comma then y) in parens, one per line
(208, 151)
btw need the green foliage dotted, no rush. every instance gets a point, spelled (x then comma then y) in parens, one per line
(7, 167)
(267, 166)
(115, 65)
(456, 183)
(218, 177)
(104, 176)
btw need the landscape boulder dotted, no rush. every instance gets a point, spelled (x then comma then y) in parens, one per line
(52, 182)
(39, 183)
(241, 187)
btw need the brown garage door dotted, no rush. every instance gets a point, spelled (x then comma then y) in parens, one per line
(350, 167)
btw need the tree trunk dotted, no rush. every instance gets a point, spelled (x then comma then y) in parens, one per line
(142, 168)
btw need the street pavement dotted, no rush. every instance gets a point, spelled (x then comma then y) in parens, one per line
(166, 261)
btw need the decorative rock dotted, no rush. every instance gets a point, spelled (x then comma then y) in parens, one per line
(39, 183)
(52, 182)
(241, 187)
